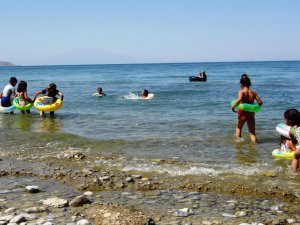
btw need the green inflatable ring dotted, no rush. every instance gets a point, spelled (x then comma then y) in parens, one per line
(247, 107)
(19, 107)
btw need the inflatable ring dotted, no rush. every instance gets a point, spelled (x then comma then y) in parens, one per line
(283, 130)
(7, 109)
(97, 94)
(19, 107)
(38, 104)
(278, 153)
(247, 107)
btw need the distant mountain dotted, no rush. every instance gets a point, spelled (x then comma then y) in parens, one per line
(3, 63)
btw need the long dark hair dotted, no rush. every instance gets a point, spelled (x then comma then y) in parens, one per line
(245, 80)
(22, 86)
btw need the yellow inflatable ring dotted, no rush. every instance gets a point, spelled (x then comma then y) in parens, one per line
(38, 104)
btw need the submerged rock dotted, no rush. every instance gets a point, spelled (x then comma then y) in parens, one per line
(32, 189)
(79, 201)
(55, 202)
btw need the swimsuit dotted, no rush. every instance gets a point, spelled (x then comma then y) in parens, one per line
(244, 115)
(7, 93)
(5, 101)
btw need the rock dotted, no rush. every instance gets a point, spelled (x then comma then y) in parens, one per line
(83, 222)
(241, 213)
(129, 179)
(87, 171)
(35, 209)
(206, 222)
(79, 201)
(88, 193)
(32, 189)
(10, 210)
(71, 154)
(18, 219)
(48, 223)
(137, 176)
(55, 202)
(183, 212)
(6, 218)
(290, 221)
(228, 215)
(104, 178)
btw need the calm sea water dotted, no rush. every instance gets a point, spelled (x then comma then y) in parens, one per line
(186, 121)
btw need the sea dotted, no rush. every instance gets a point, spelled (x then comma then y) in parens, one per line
(190, 123)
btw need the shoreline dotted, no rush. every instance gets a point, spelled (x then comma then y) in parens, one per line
(142, 191)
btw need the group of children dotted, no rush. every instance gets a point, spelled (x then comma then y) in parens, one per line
(50, 94)
(245, 95)
(291, 116)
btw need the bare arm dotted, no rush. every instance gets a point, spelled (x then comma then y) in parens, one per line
(26, 97)
(258, 99)
(61, 95)
(237, 101)
(37, 94)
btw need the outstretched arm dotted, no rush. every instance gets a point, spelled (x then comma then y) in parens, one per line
(37, 94)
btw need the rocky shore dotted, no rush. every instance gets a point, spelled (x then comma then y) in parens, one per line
(77, 188)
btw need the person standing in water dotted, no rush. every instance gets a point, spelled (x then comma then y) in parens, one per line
(246, 95)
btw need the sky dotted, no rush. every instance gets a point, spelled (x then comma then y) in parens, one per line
(67, 32)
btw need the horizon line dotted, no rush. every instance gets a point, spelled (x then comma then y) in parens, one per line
(144, 63)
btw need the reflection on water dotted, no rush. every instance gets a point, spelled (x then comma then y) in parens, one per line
(22, 122)
(246, 152)
(50, 124)
(27, 122)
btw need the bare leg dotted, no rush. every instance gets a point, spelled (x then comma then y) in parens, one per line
(251, 127)
(52, 113)
(42, 113)
(239, 125)
(295, 163)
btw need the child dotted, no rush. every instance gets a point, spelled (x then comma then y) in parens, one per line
(246, 95)
(144, 93)
(22, 94)
(50, 96)
(292, 118)
(100, 92)
(8, 91)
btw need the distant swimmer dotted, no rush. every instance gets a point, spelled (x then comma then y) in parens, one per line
(99, 92)
(146, 95)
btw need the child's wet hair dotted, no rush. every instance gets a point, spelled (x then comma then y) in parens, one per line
(22, 86)
(52, 86)
(245, 80)
(99, 89)
(145, 92)
(292, 116)
(13, 80)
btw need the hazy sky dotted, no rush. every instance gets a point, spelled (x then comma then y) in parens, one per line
(35, 32)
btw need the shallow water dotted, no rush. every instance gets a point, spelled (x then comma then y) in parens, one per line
(186, 121)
